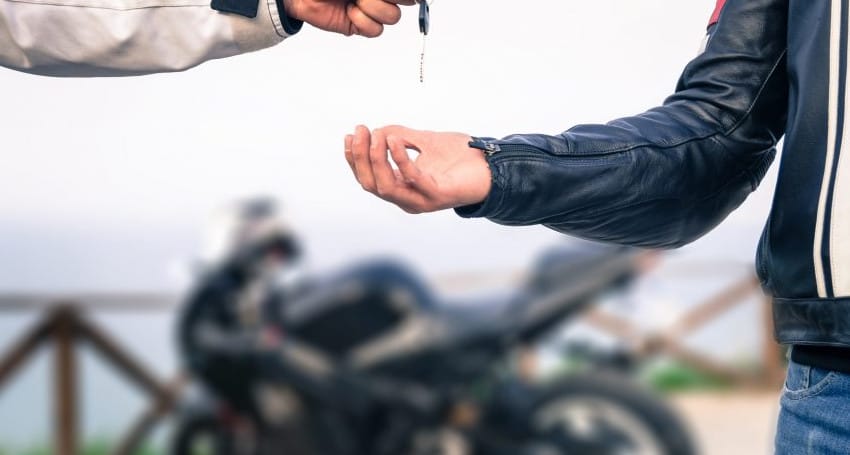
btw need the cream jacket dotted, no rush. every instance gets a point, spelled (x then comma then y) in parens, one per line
(127, 37)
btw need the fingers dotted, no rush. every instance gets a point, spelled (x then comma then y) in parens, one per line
(420, 188)
(410, 137)
(411, 174)
(349, 155)
(385, 179)
(362, 24)
(368, 17)
(360, 145)
(380, 11)
(408, 187)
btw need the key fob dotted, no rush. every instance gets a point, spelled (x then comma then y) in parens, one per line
(424, 16)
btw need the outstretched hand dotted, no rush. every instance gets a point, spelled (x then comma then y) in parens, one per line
(361, 17)
(447, 172)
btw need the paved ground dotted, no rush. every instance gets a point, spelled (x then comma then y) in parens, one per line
(731, 423)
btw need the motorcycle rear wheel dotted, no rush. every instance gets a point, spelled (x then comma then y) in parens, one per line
(201, 436)
(605, 413)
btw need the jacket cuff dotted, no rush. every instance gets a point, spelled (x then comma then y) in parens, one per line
(490, 205)
(284, 24)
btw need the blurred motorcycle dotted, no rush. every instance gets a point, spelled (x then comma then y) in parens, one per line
(369, 362)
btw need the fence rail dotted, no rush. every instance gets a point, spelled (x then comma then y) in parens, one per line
(109, 302)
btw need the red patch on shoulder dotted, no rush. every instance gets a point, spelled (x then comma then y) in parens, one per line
(716, 15)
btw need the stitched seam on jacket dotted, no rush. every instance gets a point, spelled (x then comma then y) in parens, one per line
(725, 131)
(632, 147)
(609, 210)
(758, 95)
(545, 160)
(712, 136)
(274, 14)
(746, 172)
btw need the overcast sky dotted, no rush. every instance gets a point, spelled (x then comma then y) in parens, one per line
(107, 182)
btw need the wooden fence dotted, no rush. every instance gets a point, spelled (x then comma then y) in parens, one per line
(64, 325)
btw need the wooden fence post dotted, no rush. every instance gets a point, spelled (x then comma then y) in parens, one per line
(65, 383)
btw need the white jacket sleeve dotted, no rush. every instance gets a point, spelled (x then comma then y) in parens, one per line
(127, 37)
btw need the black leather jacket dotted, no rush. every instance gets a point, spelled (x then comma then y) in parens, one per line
(668, 176)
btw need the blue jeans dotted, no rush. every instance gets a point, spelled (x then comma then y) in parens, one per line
(815, 415)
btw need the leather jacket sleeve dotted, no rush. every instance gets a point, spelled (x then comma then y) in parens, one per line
(129, 37)
(665, 177)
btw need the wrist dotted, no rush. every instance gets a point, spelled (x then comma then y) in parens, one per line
(290, 15)
(490, 191)
(482, 175)
(287, 8)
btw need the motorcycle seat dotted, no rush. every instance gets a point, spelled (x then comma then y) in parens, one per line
(481, 310)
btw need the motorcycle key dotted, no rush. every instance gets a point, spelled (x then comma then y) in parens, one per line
(424, 26)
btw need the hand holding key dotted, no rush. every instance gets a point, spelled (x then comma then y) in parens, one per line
(363, 17)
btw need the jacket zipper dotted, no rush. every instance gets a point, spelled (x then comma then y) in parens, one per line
(487, 147)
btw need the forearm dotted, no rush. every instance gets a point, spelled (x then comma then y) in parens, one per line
(96, 38)
(651, 196)
(665, 177)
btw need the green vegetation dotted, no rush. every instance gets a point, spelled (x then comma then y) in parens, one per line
(663, 375)
(675, 377)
